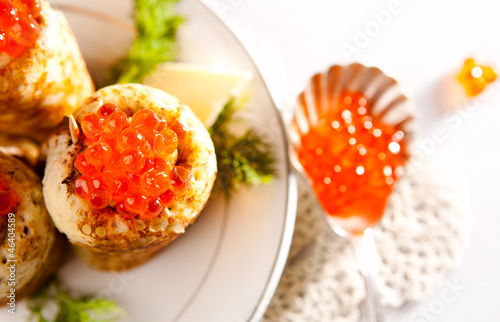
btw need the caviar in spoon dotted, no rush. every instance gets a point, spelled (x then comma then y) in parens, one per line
(352, 160)
(352, 156)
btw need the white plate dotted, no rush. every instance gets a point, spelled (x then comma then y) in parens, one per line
(228, 264)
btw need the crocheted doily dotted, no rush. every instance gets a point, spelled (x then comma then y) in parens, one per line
(421, 237)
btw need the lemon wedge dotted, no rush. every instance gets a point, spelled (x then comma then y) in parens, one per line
(205, 89)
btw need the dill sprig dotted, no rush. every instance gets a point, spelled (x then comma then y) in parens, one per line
(82, 309)
(241, 161)
(156, 24)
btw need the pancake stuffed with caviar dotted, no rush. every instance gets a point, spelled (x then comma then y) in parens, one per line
(131, 171)
(42, 73)
(30, 246)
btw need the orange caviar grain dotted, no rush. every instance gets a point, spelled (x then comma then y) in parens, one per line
(31, 7)
(14, 49)
(106, 110)
(122, 184)
(120, 208)
(135, 201)
(145, 121)
(154, 182)
(160, 164)
(133, 160)
(171, 142)
(83, 165)
(99, 200)
(130, 138)
(24, 31)
(153, 208)
(179, 178)
(91, 126)
(163, 123)
(179, 129)
(82, 188)
(167, 198)
(8, 13)
(116, 122)
(475, 77)
(98, 153)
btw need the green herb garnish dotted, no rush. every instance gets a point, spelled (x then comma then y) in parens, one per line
(241, 161)
(156, 23)
(83, 309)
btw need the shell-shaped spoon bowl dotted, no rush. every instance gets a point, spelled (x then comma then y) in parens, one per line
(385, 102)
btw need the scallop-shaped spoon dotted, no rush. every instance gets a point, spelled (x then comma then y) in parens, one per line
(350, 136)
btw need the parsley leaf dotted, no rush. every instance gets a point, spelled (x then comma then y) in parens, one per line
(156, 24)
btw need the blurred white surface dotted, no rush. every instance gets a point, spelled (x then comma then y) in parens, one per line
(420, 43)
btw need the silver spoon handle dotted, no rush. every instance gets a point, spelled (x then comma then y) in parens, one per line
(367, 256)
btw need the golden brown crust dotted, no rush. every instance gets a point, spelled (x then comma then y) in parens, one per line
(47, 82)
(111, 241)
(38, 246)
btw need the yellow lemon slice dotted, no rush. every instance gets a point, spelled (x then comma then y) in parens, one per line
(205, 89)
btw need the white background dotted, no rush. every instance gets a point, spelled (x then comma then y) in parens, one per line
(421, 45)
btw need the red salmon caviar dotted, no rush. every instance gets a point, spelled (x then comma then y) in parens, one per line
(133, 160)
(98, 153)
(92, 125)
(154, 182)
(170, 141)
(82, 188)
(83, 165)
(126, 163)
(106, 110)
(32, 7)
(120, 208)
(135, 201)
(19, 28)
(179, 177)
(153, 208)
(179, 129)
(145, 121)
(167, 198)
(130, 138)
(353, 159)
(116, 122)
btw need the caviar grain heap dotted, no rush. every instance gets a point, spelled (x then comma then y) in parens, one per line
(130, 164)
(19, 25)
(353, 159)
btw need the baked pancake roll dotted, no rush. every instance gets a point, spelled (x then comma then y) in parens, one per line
(42, 73)
(30, 246)
(129, 176)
